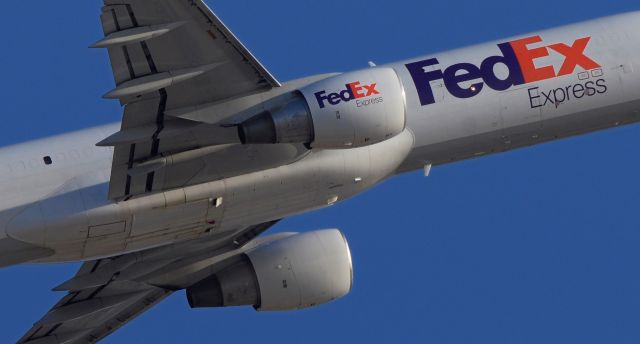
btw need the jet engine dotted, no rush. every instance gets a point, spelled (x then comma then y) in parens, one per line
(344, 111)
(299, 271)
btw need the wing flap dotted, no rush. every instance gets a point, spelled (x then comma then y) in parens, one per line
(88, 307)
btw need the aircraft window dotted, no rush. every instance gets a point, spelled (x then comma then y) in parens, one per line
(47, 160)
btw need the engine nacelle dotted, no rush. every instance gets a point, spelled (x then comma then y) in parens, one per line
(300, 271)
(344, 111)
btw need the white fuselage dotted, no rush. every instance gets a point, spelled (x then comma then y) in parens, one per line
(64, 206)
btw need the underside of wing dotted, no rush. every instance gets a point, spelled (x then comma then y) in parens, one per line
(170, 58)
(108, 293)
(180, 46)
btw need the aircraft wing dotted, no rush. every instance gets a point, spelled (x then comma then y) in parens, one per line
(106, 294)
(171, 57)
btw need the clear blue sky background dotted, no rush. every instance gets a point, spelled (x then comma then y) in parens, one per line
(540, 245)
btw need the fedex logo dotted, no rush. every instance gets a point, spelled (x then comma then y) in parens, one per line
(520, 58)
(353, 91)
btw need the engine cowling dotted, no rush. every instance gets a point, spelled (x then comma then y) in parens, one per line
(300, 271)
(344, 111)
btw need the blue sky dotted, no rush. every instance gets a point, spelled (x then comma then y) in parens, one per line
(538, 245)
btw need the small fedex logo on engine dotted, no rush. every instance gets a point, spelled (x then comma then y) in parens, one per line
(522, 59)
(353, 91)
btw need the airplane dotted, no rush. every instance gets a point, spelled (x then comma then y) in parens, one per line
(212, 151)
